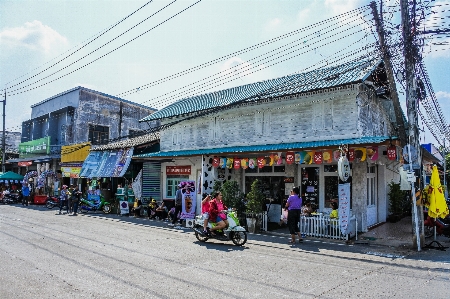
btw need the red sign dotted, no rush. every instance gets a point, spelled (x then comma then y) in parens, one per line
(178, 170)
(24, 163)
(392, 153)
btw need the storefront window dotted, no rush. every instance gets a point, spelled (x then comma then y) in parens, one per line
(310, 185)
(172, 185)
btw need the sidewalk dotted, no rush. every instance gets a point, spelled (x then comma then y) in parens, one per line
(398, 236)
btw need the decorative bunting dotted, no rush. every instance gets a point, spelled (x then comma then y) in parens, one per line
(351, 154)
(237, 163)
(360, 154)
(272, 159)
(289, 157)
(392, 153)
(372, 153)
(244, 163)
(251, 163)
(298, 158)
(336, 155)
(279, 159)
(216, 161)
(318, 158)
(327, 156)
(230, 163)
(261, 162)
(309, 157)
(223, 162)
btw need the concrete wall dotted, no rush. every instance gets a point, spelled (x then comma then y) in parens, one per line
(359, 194)
(69, 98)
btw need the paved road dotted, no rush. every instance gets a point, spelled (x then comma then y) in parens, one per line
(44, 255)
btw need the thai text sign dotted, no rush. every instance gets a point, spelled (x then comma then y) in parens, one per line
(178, 170)
(38, 146)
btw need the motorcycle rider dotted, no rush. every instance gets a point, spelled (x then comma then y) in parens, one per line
(216, 208)
(25, 193)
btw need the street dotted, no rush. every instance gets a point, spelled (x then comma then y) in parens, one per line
(44, 255)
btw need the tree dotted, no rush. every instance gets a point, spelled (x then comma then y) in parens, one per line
(231, 196)
(255, 198)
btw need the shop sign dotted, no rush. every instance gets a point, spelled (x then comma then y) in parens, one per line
(33, 147)
(289, 179)
(178, 170)
(71, 172)
(392, 153)
(24, 163)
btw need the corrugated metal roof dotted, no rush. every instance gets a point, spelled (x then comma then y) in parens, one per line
(347, 73)
(134, 141)
(267, 147)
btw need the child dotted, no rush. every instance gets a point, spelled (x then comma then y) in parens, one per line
(205, 213)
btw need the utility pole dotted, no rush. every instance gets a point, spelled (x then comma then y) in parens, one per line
(3, 135)
(410, 52)
(389, 73)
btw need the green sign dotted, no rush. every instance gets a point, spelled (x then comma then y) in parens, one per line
(34, 147)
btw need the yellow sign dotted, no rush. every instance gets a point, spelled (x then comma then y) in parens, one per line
(75, 152)
(71, 172)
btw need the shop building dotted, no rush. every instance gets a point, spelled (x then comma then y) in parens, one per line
(64, 126)
(287, 132)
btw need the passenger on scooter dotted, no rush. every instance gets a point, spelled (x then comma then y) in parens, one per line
(205, 213)
(216, 213)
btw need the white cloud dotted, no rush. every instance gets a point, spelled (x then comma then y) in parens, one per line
(442, 95)
(341, 6)
(33, 35)
(236, 66)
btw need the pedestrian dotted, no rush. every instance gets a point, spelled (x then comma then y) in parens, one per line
(63, 199)
(76, 196)
(178, 201)
(25, 194)
(69, 198)
(294, 206)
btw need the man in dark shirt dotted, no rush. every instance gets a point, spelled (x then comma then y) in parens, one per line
(178, 200)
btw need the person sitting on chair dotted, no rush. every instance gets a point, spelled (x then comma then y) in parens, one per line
(138, 208)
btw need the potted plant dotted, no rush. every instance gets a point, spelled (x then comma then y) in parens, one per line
(255, 206)
(397, 200)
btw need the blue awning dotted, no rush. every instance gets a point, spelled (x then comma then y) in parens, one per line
(267, 147)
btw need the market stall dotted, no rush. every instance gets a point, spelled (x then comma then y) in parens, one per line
(43, 187)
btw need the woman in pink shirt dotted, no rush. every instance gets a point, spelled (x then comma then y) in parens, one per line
(215, 213)
(205, 212)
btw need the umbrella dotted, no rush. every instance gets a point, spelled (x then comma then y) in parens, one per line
(11, 176)
(437, 205)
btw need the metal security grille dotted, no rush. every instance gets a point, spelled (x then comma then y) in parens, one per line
(151, 180)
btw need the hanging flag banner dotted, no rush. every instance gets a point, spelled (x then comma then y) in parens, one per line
(344, 207)
(216, 161)
(279, 159)
(237, 163)
(223, 162)
(392, 153)
(372, 153)
(360, 154)
(309, 157)
(336, 155)
(244, 163)
(318, 158)
(289, 157)
(230, 163)
(261, 162)
(327, 156)
(297, 158)
(351, 154)
(251, 163)
(272, 159)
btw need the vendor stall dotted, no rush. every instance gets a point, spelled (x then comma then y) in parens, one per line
(43, 185)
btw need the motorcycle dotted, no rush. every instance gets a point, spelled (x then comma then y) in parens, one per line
(442, 226)
(10, 198)
(90, 205)
(233, 232)
(51, 202)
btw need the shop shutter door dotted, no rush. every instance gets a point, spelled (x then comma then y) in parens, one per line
(151, 180)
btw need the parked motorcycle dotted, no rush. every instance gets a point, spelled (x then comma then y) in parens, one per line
(234, 232)
(10, 198)
(442, 226)
(51, 202)
(90, 205)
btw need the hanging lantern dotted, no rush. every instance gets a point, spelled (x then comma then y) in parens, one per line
(278, 159)
(327, 156)
(351, 154)
(230, 163)
(272, 159)
(223, 162)
(372, 153)
(251, 163)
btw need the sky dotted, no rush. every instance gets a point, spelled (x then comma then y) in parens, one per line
(159, 53)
